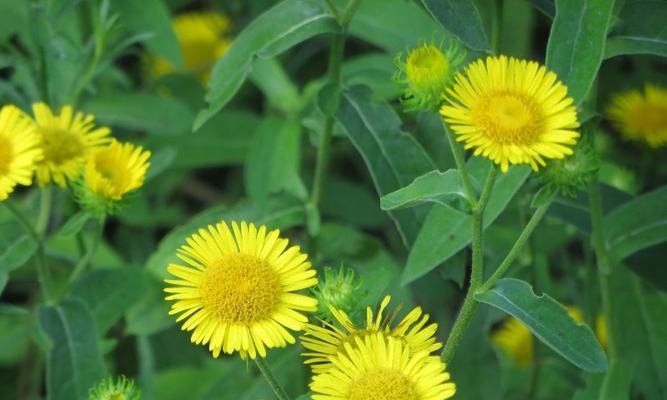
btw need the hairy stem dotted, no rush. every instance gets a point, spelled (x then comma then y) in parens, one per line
(271, 379)
(459, 159)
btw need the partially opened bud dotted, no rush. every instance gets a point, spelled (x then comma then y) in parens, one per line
(118, 389)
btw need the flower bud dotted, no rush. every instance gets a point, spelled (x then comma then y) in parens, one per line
(573, 173)
(119, 389)
(338, 289)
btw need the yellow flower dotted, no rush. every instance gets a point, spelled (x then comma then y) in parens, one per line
(201, 36)
(428, 71)
(66, 140)
(641, 116)
(512, 112)
(116, 169)
(324, 343)
(601, 331)
(18, 150)
(380, 367)
(236, 290)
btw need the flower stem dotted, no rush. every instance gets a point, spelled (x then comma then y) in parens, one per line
(469, 303)
(460, 165)
(90, 252)
(496, 27)
(603, 262)
(518, 246)
(271, 379)
(44, 211)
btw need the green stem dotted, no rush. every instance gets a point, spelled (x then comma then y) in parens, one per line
(603, 262)
(459, 159)
(496, 27)
(271, 379)
(44, 211)
(332, 8)
(469, 303)
(146, 367)
(90, 252)
(518, 246)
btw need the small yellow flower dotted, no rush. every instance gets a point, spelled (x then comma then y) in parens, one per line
(428, 71)
(641, 116)
(116, 169)
(19, 150)
(324, 343)
(236, 289)
(512, 112)
(380, 367)
(66, 139)
(202, 40)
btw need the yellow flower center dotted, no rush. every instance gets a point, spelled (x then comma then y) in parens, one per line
(61, 145)
(427, 65)
(650, 117)
(6, 155)
(240, 288)
(382, 384)
(508, 118)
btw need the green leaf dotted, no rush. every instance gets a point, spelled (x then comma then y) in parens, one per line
(153, 114)
(546, 7)
(616, 383)
(549, 321)
(576, 43)
(638, 224)
(74, 224)
(109, 292)
(640, 30)
(543, 196)
(276, 30)
(4, 278)
(17, 253)
(446, 230)
(443, 188)
(461, 18)
(74, 362)
(160, 161)
(13, 18)
(272, 80)
(277, 213)
(393, 157)
(151, 314)
(151, 16)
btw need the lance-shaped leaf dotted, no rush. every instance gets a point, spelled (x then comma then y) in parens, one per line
(461, 18)
(641, 30)
(443, 188)
(549, 321)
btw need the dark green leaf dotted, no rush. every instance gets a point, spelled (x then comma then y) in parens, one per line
(576, 43)
(643, 263)
(13, 17)
(393, 157)
(443, 188)
(158, 115)
(151, 16)
(17, 253)
(446, 230)
(549, 321)
(462, 19)
(276, 30)
(3, 280)
(640, 223)
(75, 224)
(74, 362)
(108, 293)
(547, 7)
(640, 30)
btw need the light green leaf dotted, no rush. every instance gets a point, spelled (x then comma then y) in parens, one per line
(462, 19)
(549, 321)
(74, 225)
(576, 43)
(638, 224)
(109, 292)
(17, 253)
(616, 383)
(270, 77)
(151, 314)
(640, 30)
(158, 115)
(446, 230)
(276, 30)
(74, 362)
(443, 188)
(151, 16)
(393, 157)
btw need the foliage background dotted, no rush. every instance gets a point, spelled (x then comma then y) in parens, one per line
(252, 157)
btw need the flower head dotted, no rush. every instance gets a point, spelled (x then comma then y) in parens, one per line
(66, 141)
(236, 289)
(202, 40)
(426, 72)
(512, 112)
(324, 343)
(641, 116)
(380, 367)
(119, 389)
(19, 150)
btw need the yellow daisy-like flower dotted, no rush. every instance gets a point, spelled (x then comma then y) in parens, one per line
(202, 40)
(325, 343)
(116, 169)
(236, 289)
(19, 150)
(641, 116)
(66, 139)
(512, 112)
(379, 367)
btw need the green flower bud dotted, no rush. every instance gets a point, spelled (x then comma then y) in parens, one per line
(338, 289)
(119, 389)
(573, 173)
